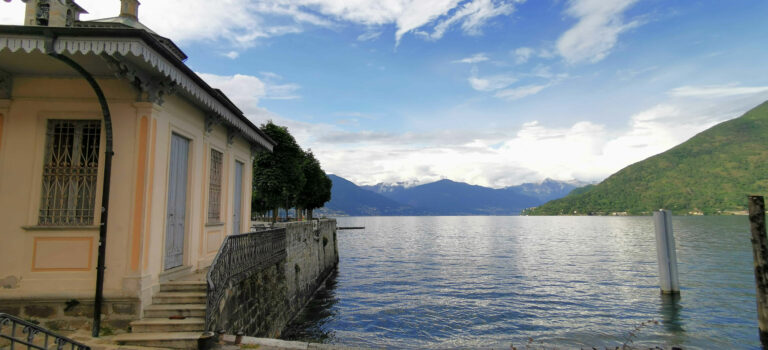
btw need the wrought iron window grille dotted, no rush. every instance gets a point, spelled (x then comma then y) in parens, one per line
(70, 171)
(214, 187)
(25, 335)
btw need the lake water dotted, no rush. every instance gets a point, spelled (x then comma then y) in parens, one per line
(489, 282)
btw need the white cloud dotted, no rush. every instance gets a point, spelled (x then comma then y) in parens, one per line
(476, 58)
(12, 13)
(243, 22)
(523, 54)
(530, 152)
(499, 156)
(244, 90)
(597, 30)
(521, 91)
(490, 83)
(473, 15)
(710, 91)
(247, 90)
(369, 36)
(500, 83)
(231, 55)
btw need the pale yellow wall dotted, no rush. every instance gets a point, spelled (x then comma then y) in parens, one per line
(52, 262)
(34, 101)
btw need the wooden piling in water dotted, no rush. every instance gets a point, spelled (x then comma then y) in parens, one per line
(666, 252)
(760, 255)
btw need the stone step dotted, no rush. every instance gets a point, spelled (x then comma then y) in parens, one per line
(172, 340)
(179, 298)
(158, 325)
(183, 286)
(167, 310)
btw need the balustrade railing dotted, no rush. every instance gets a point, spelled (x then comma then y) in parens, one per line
(239, 257)
(16, 333)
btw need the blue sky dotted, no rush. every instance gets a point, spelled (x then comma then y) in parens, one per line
(488, 92)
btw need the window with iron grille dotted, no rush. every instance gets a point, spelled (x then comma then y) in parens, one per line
(69, 173)
(214, 189)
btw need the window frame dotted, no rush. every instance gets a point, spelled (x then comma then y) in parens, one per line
(72, 210)
(213, 215)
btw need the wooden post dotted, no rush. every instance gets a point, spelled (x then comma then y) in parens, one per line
(760, 255)
(666, 252)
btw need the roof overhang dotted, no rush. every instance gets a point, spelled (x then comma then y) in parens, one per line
(136, 48)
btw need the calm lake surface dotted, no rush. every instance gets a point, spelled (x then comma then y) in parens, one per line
(488, 282)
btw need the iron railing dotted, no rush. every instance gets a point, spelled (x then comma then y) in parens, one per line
(27, 335)
(239, 257)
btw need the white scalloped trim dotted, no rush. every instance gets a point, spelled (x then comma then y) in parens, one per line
(137, 48)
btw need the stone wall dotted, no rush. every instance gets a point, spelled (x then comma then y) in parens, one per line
(312, 254)
(263, 303)
(69, 315)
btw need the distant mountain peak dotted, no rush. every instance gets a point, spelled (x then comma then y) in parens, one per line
(442, 197)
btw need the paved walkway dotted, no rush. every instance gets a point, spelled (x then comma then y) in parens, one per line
(276, 344)
(106, 343)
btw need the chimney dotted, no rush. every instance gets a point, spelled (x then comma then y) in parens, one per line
(129, 9)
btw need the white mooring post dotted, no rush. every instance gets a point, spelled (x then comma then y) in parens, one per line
(665, 249)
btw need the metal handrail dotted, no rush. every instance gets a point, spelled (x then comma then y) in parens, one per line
(238, 258)
(29, 331)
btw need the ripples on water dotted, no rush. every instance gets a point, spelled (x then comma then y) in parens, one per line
(488, 282)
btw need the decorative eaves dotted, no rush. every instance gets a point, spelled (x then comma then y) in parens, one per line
(137, 48)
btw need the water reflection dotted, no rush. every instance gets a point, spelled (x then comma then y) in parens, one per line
(669, 311)
(310, 324)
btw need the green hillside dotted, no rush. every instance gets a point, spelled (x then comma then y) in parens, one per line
(713, 172)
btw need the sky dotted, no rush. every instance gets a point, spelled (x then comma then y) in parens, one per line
(489, 92)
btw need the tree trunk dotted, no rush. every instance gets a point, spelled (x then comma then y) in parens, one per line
(274, 215)
(309, 214)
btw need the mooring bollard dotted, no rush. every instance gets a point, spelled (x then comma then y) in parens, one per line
(760, 255)
(665, 249)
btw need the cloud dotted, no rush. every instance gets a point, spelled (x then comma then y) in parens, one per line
(476, 58)
(248, 90)
(490, 83)
(716, 91)
(523, 54)
(521, 91)
(500, 83)
(596, 32)
(583, 150)
(504, 155)
(472, 16)
(231, 55)
(369, 36)
(527, 152)
(242, 23)
(12, 13)
(245, 90)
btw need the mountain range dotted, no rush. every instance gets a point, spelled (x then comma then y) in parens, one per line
(444, 197)
(711, 173)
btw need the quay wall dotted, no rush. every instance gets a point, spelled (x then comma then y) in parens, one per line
(263, 303)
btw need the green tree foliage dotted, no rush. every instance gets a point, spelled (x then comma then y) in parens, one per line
(278, 177)
(288, 177)
(317, 189)
(712, 173)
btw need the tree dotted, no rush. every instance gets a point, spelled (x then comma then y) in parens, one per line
(317, 189)
(278, 177)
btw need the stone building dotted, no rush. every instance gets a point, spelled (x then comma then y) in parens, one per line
(180, 176)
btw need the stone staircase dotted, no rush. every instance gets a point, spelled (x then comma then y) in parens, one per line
(175, 319)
